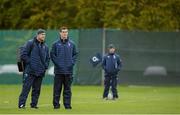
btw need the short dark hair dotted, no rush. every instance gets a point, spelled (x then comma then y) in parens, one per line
(63, 28)
(40, 31)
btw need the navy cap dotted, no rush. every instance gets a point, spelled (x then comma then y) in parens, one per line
(111, 46)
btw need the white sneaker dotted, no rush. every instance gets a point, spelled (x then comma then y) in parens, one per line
(22, 106)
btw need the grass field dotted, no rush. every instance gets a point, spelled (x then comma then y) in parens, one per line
(87, 100)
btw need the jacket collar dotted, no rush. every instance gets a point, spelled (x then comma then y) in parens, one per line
(36, 41)
(111, 53)
(66, 40)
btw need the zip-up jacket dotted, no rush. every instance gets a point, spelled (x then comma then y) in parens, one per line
(63, 55)
(36, 59)
(111, 63)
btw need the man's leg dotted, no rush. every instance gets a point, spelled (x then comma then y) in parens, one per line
(27, 83)
(36, 89)
(106, 86)
(114, 86)
(58, 81)
(67, 92)
(72, 79)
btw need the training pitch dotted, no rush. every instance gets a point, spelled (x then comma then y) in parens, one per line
(88, 100)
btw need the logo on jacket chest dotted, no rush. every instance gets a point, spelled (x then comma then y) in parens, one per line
(64, 44)
(114, 57)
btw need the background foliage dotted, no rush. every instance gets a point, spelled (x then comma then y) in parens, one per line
(146, 15)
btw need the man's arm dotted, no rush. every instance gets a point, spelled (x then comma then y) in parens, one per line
(47, 59)
(53, 54)
(119, 63)
(74, 55)
(26, 52)
(104, 63)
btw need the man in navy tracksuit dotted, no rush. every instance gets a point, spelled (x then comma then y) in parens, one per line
(63, 55)
(36, 58)
(111, 65)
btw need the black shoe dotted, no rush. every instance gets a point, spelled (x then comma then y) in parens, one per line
(114, 98)
(34, 107)
(69, 107)
(105, 98)
(56, 107)
(21, 106)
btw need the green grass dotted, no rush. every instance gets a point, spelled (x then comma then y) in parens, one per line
(87, 100)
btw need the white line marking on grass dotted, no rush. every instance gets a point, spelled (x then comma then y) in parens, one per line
(139, 86)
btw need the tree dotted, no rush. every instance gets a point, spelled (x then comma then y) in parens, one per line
(143, 15)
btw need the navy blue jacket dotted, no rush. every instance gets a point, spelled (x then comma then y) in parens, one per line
(63, 55)
(111, 63)
(32, 60)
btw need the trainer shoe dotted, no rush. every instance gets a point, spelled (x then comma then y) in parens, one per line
(69, 107)
(22, 106)
(56, 107)
(34, 107)
(114, 98)
(105, 98)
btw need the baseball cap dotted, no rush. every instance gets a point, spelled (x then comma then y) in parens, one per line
(111, 46)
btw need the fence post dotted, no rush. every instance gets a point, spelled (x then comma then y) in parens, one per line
(103, 52)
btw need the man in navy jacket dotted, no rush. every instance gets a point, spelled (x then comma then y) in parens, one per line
(36, 57)
(111, 65)
(63, 54)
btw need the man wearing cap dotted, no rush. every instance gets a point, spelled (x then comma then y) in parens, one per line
(36, 57)
(111, 65)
